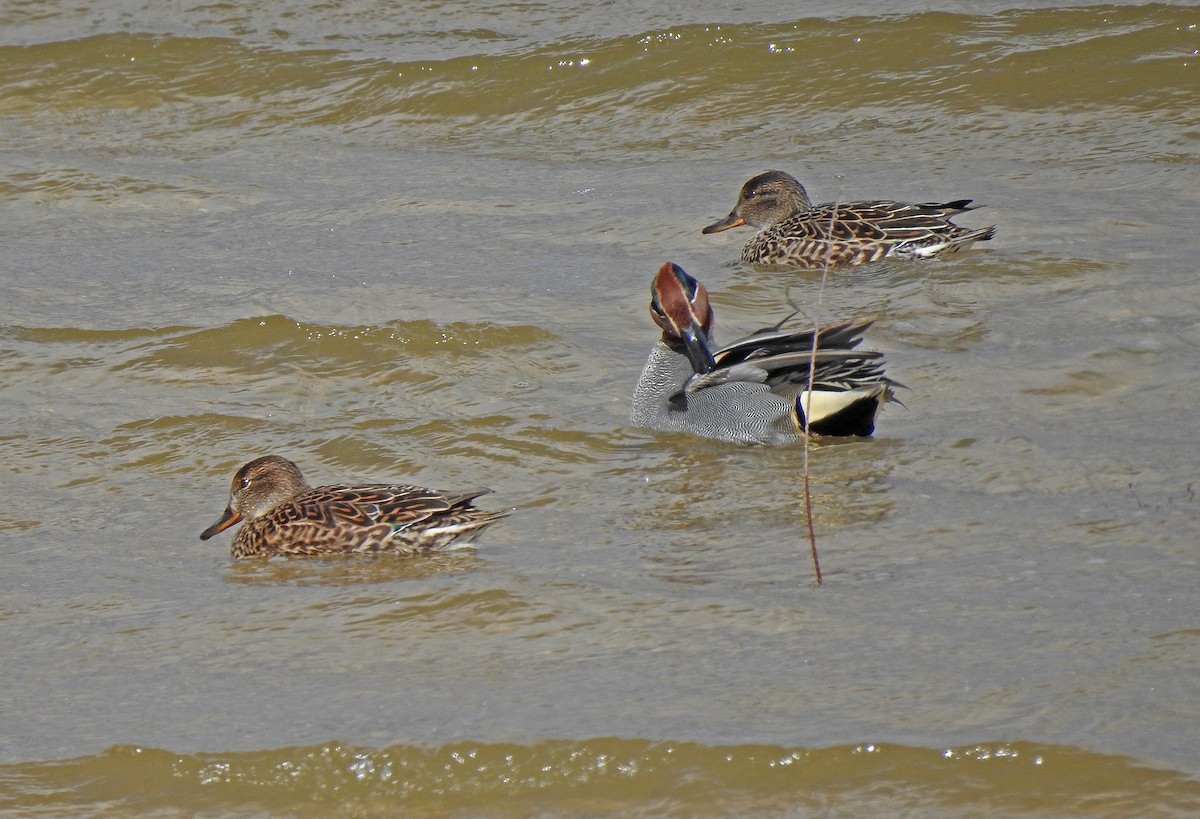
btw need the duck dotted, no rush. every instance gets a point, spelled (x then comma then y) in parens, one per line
(282, 515)
(755, 390)
(795, 233)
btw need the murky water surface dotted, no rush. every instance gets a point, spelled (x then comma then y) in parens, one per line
(414, 241)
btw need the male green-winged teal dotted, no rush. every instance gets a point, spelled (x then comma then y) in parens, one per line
(285, 516)
(754, 390)
(795, 233)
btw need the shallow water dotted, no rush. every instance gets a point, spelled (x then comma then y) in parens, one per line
(415, 241)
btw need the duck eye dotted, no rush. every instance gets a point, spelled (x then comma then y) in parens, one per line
(245, 483)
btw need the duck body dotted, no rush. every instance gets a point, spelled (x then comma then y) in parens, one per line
(285, 516)
(795, 233)
(755, 390)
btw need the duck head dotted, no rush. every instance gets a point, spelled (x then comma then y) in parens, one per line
(679, 305)
(259, 486)
(764, 200)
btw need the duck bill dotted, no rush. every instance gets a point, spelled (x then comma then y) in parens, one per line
(695, 346)
(730, 221)
(228, 519)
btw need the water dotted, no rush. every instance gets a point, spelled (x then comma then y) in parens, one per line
(415, 241)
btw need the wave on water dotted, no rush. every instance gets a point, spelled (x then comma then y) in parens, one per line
(697, 82)
(603, 776)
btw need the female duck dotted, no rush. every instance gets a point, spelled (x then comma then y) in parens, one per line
(795, 233)
(285, 516)
(755, 390)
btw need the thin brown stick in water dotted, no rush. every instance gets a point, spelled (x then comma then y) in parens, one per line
(812, 368)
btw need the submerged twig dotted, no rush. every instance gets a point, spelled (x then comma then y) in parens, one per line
(812, 368)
